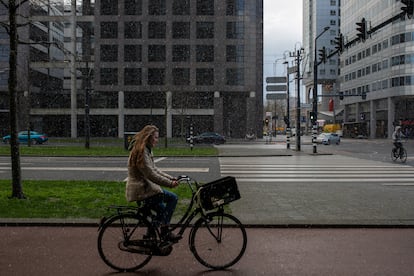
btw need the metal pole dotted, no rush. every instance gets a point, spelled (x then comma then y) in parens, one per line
(315, 91)
(87, 121)
(298, 132)
(287, 107)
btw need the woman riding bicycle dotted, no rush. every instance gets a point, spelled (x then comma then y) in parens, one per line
(396, 137)
(145, 180)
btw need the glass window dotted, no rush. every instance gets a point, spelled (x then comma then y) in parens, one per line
(109, 7)
(181, 29)
(204, 53)
(181, 7)
(156, 29)
(4, 52)
(133, 7)
(156, 7)
(109, 76)
(132, 76)
(109, 52)
(205, 7)
(235, 30)
(109, 30)
(133, 29)
(234, 53)
(234, 76)
(133, 53)
(156, 76)
(156, 53)
(181, 76)
(181, 53)
(205, 30)
(234, 7)
(205, 76)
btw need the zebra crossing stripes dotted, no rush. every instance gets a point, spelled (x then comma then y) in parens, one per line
(371, 172)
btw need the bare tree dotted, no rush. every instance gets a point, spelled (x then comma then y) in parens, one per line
(11, 27)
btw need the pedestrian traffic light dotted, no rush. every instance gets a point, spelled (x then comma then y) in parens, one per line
(339, 42)
(266, 121)
(362, 29)
(341, 95)
(313, 117)
(408, 8)
(286, 120)
(322, 55)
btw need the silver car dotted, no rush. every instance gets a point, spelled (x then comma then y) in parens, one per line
(328, 138)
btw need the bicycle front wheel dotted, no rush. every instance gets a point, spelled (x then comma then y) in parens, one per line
(124, 242)
(218, 241)
(403, 155)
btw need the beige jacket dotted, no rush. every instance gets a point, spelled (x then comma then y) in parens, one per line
(145, 182)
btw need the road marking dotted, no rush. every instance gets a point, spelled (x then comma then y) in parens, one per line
(398, 184)
(108, 169)
(320, 180)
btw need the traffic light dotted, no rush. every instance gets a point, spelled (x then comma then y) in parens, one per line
(362, 29)
(266, 121)
(408, 7)
(322, 55)
(341, 95)
(339, 42)
(313, 117)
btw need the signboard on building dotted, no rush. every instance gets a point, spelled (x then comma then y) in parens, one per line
(276, 96)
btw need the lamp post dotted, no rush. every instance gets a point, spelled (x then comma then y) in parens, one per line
(287, 107)
(315, 90)
(298, 57)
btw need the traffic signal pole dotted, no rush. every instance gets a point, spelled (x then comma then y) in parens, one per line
(315, 92)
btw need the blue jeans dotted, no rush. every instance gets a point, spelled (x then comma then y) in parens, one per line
(164, 205)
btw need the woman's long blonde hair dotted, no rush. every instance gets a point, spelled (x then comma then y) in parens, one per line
(142, 140)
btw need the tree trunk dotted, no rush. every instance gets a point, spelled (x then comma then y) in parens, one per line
(17, 188)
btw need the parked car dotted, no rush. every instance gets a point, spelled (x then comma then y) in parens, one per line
(328, 138)
(35, 137)
(208, 138)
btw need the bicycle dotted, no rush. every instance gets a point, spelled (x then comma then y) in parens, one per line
(400, 153)
(129, 238)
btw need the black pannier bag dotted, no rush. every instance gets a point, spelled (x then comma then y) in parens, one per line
(219, 192)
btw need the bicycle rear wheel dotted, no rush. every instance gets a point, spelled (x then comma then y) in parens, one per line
(403, 155)
(125, 241)
(218, 241)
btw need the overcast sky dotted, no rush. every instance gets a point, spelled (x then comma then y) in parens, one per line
(282, 32)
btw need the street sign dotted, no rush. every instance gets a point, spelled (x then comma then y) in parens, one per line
(276, 88)
(276, 96)
(305, 105)
(276, 79)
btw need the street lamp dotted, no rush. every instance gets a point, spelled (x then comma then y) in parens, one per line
(315, 91)
(287, 122)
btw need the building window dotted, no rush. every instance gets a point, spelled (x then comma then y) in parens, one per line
(235, 30)
(205, 7)
(133, 7)
(181, 30)
(4, 52)
(181, 76)
(205, 76)
(234, 53)
(132, 76)
(205, 30)
(109, 76)
(333, 22)
(109, 53)
(133, 53)
(234, 76)
(156, 53)
(181, 7)
(133, 29)
(204, 53)
(156, 7)
(109, 30)
(109, 7)
(156, 29)
(180, 53)
(234, 7)
(156, 76)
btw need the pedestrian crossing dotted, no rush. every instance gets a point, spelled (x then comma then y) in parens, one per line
(310, 170)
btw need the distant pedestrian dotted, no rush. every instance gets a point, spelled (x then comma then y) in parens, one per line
(145, 180)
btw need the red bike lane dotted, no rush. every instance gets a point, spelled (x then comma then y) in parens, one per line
(36, 250)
